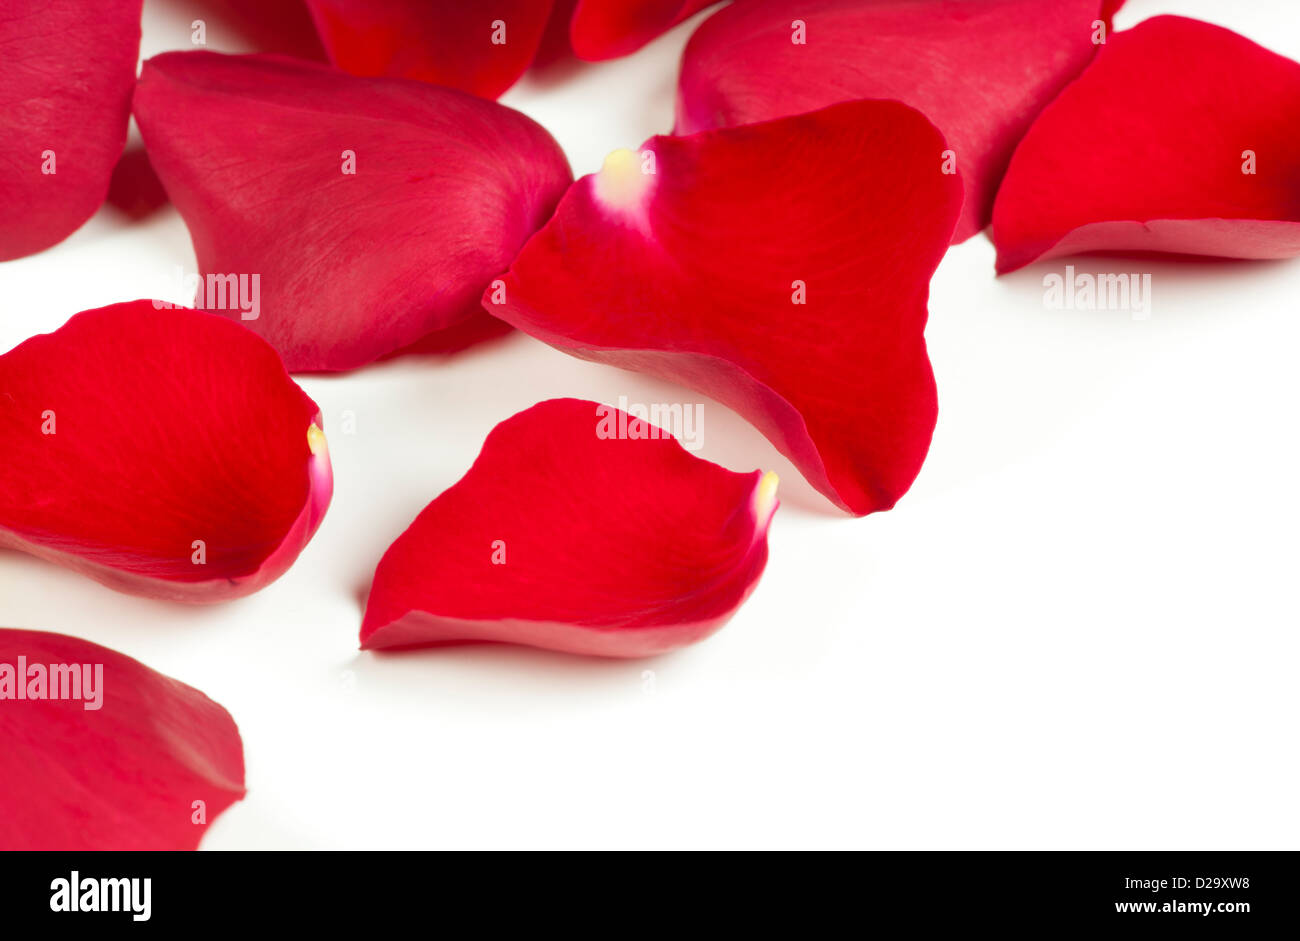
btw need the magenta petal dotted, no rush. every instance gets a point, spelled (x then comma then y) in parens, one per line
(134, 761)
(374, 216)
(66, 74)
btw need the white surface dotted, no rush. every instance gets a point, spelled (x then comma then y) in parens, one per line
(1078, 630)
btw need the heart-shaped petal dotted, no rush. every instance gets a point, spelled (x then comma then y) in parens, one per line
(481, 48)
(164, 453)
(66, 74)
(781, 268)
(980, 70)
(374, 216)
(99, 752)
(1197, 153)
(580, 529)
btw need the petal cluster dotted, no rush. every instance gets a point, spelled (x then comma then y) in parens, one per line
(980, 71)
(484, 48)
(578, 529)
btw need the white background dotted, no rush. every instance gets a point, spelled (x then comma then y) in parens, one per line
(1078, 630)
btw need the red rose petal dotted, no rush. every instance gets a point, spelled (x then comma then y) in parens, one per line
(1182, 102)
(555, 45)
(135, 188)
(66, 73)
(162, 452)
(123, 774)
(481, 48)
(693, 273)
(281, 26)
(479, 328)
(352, 266)
(607, 29)
(979, 70)
(570, 534)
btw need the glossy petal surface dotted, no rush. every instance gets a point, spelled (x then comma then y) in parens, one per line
(162, 452)
(576, 531)
(782, 268)
(1150, 150)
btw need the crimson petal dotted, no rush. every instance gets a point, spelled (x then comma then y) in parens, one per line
(577, 531)
(164, 453)
(131, 760)
(135, 188)
(66, 73)
(481, 48)
(1197, 156)
(555, 45)
(281, 26)
(607, 29)
(781, 268)
(979, 70)
(352, 266)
